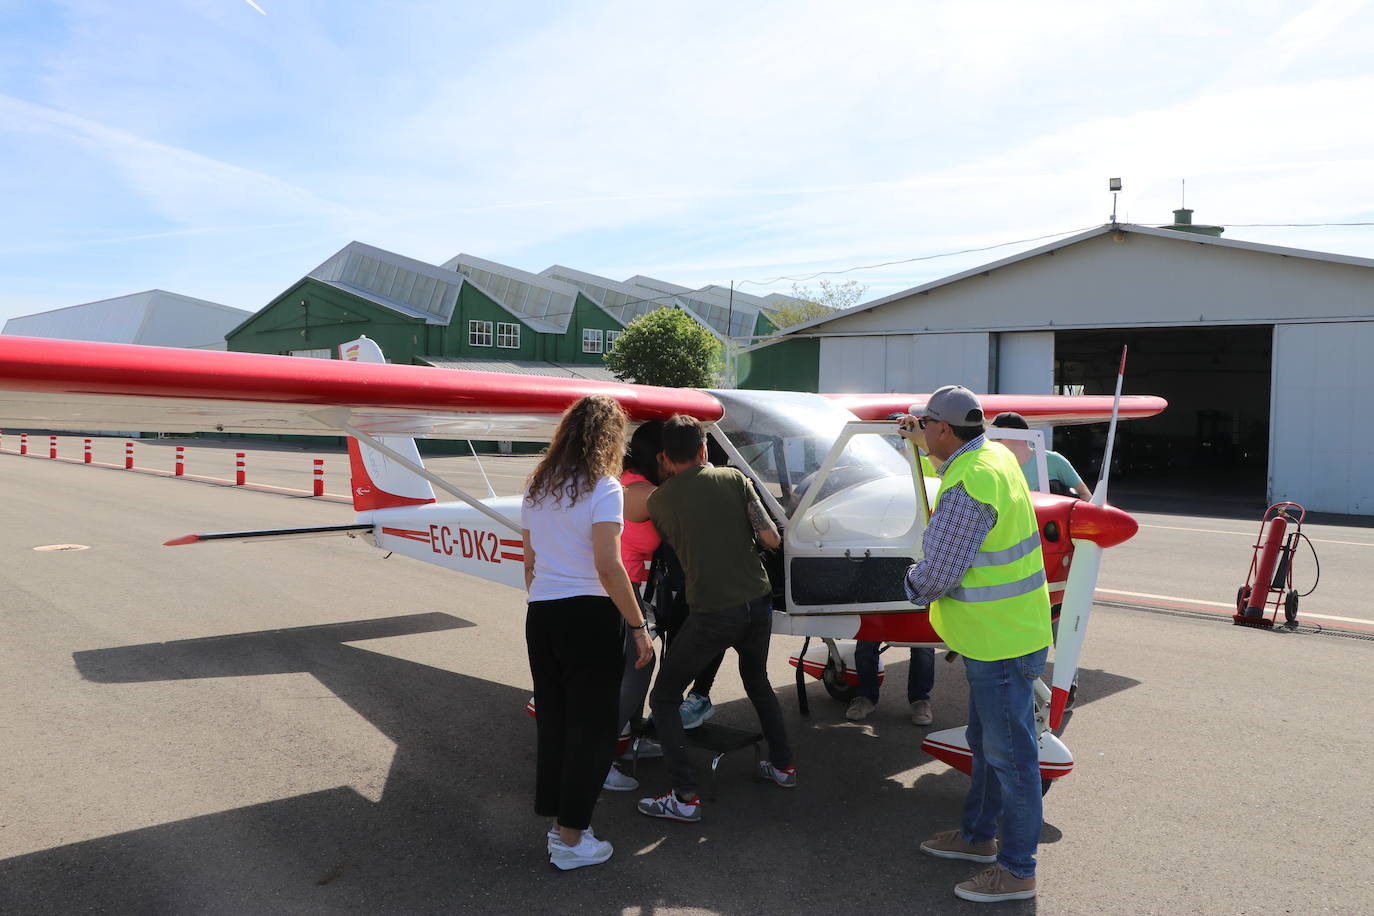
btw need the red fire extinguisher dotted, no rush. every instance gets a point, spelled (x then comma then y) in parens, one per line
(1270, 580)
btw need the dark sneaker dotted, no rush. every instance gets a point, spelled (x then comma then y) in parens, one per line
(671, 807)
(950, 845)
(994, 884)
(588, 851)
(921, 714)
(785, 777)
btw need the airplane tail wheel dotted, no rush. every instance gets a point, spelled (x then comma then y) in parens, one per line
(836, 684)
(1242, 596)
(1290, 607)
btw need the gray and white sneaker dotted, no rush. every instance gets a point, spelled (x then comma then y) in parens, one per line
(921, 713)
(648, 748)
(785, 777)
(859, 708)
(588, 851)
(554, 835)
(695, 710)
(671, 807)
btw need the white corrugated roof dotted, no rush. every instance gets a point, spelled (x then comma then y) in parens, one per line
(544, 303)
(153, 317)
(395, 281)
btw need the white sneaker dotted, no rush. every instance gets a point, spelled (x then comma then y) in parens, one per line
(588, 851)
(617, 781)
(553, 836)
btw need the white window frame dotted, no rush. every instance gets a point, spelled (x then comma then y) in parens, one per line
(508, 331)
(479, 333)
(591, 340)
(321, 353)
(611, 338)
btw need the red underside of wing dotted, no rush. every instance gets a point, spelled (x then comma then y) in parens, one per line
(80, 367)
(1038, 409)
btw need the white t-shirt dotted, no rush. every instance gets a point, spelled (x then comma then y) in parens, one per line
(561, 535)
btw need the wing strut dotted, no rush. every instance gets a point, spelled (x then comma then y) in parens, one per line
(433, 478)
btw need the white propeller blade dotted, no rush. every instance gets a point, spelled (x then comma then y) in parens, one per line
(1082, 584)
(1073, 623)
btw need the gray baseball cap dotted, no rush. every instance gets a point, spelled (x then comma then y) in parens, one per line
(952, 404)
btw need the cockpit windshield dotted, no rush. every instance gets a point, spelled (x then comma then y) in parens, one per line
(785, 436)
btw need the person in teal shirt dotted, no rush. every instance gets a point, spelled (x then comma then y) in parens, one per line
(1056, 465)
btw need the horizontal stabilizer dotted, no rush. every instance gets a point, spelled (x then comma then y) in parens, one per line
(278, 534)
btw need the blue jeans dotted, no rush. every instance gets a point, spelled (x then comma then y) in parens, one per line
(1006, 758)
(920, 676)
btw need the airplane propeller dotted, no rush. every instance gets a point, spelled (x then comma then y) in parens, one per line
(1082, 583)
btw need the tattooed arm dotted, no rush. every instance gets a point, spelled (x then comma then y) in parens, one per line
(764, 529)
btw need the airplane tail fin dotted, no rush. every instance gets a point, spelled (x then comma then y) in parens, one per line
(378, 482)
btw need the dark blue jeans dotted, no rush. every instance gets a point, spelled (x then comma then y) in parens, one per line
(1006, 758)
(746, 628)
(920, 676)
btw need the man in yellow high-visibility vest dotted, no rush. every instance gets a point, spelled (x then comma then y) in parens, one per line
(983, 577)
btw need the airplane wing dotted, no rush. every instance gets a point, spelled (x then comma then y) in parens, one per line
(78, 385)
(1038, 409)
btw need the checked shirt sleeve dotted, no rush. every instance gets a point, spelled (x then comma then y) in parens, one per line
(957, 529)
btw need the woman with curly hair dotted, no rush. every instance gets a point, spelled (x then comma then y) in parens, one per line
(580, 601)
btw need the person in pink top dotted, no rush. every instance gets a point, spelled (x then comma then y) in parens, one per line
(638, 541)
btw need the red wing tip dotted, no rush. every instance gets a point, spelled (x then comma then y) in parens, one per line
(1059, 698)
(185, 539)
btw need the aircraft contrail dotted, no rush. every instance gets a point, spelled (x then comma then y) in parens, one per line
(256, 7)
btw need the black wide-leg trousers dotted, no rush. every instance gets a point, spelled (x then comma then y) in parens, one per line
(576, 647)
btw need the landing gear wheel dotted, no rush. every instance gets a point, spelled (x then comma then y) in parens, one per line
(1045, 785)
(1242, 596)
(836, 684)
(1290, 607)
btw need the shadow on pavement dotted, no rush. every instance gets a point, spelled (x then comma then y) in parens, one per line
(454, 832)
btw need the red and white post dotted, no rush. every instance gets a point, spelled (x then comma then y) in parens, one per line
(52, 446)
(128, 456)
(86, 457)
(240, 469)
(23, 443)
(319, 477)
(181, 461)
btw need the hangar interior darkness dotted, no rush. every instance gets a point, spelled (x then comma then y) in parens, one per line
(1214, 437)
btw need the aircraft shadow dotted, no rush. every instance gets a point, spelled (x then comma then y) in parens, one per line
(454, 831)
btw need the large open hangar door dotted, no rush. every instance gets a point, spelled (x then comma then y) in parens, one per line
(1213, 441)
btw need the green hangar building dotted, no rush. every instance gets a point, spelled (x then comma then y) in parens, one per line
(471, 313)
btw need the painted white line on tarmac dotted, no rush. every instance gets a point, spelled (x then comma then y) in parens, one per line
(1249, 534)
(1113, 591)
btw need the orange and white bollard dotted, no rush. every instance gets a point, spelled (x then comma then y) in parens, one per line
(52, 446)
(240, 472)
(181, 461)
(87, 456)
(23, 443)
(319, 476)
(128, 456)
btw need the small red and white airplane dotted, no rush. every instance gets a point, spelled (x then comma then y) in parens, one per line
(851, 510)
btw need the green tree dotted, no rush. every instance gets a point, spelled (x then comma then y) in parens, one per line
(666, 347)
(808, 304)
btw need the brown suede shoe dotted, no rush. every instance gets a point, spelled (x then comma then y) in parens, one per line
(994, 884)
(950, 845)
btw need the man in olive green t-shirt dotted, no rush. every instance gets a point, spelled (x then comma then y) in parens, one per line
(711, 517)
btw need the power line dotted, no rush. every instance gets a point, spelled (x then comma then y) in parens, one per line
(928, 257)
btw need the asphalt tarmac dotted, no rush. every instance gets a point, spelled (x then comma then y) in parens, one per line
(307, 727)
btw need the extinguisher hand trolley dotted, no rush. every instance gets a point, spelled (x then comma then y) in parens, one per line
(1270, 580)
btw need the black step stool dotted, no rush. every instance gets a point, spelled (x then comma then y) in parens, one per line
(716, 738)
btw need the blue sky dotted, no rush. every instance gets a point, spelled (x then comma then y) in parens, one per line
(208, 148)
